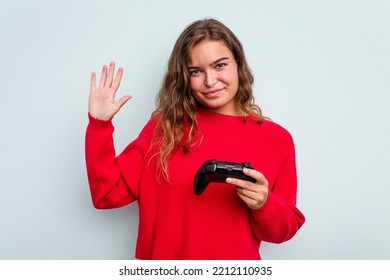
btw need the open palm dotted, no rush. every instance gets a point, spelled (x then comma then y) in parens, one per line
(102, 104)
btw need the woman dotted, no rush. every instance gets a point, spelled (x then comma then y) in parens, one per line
(205, 110)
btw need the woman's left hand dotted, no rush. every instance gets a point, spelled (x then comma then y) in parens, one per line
(253, 194)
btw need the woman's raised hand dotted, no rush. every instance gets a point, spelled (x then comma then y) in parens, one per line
(102, 104)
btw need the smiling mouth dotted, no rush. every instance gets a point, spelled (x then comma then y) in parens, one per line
(213, 93)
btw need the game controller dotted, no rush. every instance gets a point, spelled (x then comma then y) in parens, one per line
(218, 171)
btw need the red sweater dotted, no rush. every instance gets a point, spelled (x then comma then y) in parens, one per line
(174, 223)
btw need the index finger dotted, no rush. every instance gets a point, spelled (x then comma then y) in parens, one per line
(260, 178)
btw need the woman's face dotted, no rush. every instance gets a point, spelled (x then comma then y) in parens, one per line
(214, 77)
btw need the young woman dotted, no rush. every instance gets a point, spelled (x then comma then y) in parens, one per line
(205, 110)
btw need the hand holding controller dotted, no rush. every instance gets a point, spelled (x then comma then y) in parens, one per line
(218, 171)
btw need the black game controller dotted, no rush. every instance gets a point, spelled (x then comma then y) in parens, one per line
(218, 171)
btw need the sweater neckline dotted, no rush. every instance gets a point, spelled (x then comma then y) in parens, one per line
(218, 118)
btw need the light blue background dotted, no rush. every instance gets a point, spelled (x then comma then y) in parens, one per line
(322, 70)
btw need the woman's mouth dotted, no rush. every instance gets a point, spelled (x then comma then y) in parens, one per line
(213, 93)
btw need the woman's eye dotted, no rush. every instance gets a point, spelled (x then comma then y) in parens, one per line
(194, 72)
(220, 65)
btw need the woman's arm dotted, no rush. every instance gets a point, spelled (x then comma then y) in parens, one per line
(108, 188)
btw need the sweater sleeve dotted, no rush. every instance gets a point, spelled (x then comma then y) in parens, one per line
(108, 185)
(279, 218)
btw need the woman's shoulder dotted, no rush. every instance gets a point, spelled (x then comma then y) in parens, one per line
(275, 131)
(151, 126)
(275, 126)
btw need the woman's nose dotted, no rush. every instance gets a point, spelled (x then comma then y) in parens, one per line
(210, 79)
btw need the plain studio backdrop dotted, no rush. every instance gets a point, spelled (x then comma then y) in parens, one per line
(322, 70)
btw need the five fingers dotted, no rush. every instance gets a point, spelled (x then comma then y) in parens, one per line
(102, 104)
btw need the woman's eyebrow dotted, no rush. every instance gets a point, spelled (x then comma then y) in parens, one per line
(211, 64)
(219, 60)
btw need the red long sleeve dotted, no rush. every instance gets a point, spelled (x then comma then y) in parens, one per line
(106, 179)
(279, 219)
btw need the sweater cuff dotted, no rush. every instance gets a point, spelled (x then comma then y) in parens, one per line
(99, 123)
(271, 208)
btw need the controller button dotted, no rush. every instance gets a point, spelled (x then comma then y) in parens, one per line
(210, 167)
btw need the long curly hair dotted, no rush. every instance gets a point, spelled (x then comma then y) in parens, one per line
(175, 103)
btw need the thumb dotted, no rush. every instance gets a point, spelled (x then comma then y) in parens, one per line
(123, 101)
